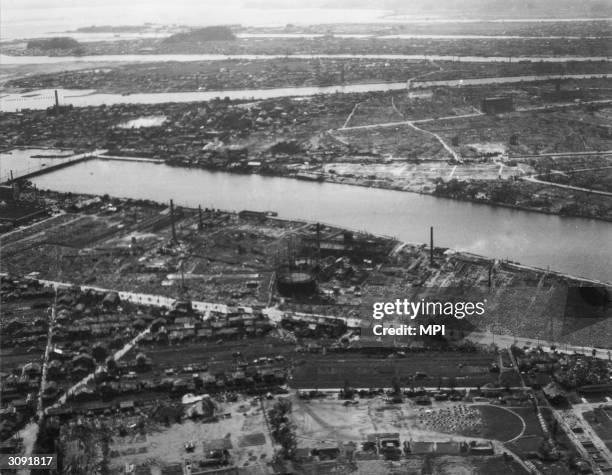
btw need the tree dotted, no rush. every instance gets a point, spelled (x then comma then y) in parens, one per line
(347, 392)
(505, 193)
(395, 385)
(111, 364)
(99, 352)
(141, 359)
(282, 429)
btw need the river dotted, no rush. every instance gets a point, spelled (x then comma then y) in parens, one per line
(581, 247)
(7, 60)
(44, 98)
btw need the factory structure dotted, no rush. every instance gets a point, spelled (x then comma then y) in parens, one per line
(497, 104)
(306, 259)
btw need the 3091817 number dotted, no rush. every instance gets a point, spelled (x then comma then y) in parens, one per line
(30, 461)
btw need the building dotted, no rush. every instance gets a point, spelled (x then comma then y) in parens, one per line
(497, 105)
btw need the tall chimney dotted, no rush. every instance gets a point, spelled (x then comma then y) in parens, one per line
(172, 220)
(200, 225)
(56, 99)
(318, 242)
(431, 246)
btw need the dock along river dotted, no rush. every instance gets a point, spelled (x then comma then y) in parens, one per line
(581, 247)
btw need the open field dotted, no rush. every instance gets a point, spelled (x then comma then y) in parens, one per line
(538, 132)
(400, 141)
(420, 177)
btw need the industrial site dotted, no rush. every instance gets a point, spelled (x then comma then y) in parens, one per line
(208, 229)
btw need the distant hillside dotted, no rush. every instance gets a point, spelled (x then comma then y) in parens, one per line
(47, 44)
(201, 35)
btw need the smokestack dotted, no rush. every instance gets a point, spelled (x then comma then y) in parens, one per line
(56, 99)
(200, 225)
(318, 242)
(172, 220)
(431, 246)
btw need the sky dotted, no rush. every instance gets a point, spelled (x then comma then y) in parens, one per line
(27, 18)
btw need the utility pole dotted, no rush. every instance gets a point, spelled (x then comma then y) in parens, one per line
(318, 243)
(431, 246)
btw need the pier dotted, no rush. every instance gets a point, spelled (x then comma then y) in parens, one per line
(8, 176)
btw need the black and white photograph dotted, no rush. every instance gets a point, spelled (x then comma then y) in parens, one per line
(309, 237)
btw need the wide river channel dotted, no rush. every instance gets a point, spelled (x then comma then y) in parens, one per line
(580, 247)
(43, 98)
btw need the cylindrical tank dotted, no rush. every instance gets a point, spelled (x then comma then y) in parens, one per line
(296, 282)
